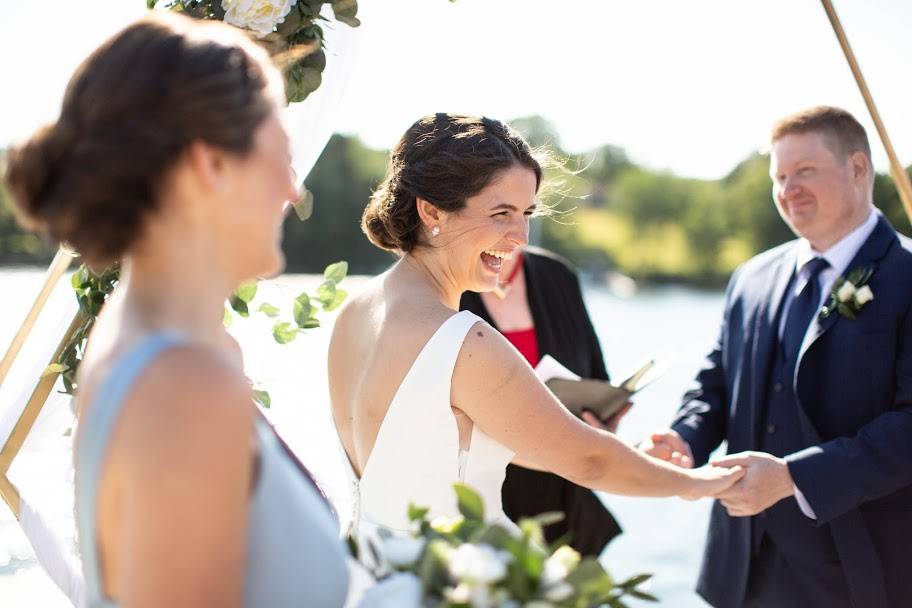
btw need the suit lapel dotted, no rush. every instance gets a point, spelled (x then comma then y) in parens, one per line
(766, 332)
(872, 251)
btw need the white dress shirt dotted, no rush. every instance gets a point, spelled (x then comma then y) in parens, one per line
(839, 256)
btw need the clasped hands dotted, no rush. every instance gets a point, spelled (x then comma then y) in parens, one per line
(766, 480)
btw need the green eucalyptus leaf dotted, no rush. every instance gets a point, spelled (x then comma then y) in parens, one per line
(470, 504)
(227, 319)
(311, 323)
(269, 310)
(301, 81)
(284, 332)
(326, 293)
(68, 386)
(316, 60)
(353, 549)
(290, 24)
(263, 398)
(642, 595)
(53, 369)
(548, 518)
(416, 513)
(432, 566)
(80, 278)
(532, 530)
(302, 310)
(498, 537)
(336, 272)
(303, 207)
(846, 311)
(239, 306)
(337, 300)
(247, 291)
(635, 580)
(588, 571)
(345, 11)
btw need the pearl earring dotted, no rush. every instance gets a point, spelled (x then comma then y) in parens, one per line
(435, 231)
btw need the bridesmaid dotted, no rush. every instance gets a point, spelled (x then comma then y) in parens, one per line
(169, 156)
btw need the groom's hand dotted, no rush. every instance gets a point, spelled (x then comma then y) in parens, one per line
(766, 482)
(667, 445)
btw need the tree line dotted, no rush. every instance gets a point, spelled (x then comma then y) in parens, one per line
(610, 214)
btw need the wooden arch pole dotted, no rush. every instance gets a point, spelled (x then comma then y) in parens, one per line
(55, 271)
(900, 177)
(39, 396)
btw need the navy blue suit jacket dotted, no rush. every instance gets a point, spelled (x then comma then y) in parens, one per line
(854, 387)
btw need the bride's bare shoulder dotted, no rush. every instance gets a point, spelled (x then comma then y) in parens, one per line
(384, 306)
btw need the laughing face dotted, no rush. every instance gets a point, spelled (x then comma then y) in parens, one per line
(821, 194)
(494, 223)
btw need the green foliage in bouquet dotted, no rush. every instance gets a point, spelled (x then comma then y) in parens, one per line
(464, 562)
(290, 30)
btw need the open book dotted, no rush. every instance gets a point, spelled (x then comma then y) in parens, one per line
(598, 396)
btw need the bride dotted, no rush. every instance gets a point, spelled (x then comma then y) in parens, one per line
(424, 396)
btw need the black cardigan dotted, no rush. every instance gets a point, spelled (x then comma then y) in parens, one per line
(564, 331)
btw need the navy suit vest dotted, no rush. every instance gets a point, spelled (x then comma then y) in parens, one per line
(807, 548)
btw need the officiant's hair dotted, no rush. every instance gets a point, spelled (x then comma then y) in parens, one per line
(444, 159)
(842, 131)
(91, 179)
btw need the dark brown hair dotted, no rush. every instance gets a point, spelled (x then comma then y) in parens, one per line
(131, 108)
(843, 132)
(443, 159)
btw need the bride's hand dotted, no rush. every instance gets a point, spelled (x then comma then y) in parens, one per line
(710, 481)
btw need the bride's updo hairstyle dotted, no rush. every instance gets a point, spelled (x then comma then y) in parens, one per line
(92, 178)
(443, 159)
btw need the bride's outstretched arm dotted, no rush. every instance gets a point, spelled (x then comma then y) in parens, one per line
(495, 387)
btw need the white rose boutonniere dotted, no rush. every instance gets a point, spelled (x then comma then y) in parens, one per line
(863, 295)
(260, 16)
(849, 294)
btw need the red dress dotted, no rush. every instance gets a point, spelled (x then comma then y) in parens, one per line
(526, 343)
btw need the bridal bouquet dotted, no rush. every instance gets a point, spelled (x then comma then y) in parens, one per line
(463, 562)
(289, 29)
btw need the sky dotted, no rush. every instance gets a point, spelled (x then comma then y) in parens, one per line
(688, 86)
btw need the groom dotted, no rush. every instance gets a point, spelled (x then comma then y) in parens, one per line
(814, 399)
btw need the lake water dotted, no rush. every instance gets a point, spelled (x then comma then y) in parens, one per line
(662, 536)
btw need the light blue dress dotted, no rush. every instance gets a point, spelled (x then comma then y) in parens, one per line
(295, 557)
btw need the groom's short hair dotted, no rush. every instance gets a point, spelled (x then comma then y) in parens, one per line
(843, 133)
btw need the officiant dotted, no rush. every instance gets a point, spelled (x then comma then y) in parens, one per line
(539, 308)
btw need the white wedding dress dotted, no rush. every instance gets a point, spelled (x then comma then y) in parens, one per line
(416, 457)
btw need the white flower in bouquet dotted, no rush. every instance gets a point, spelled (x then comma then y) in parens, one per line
(402, 550)
(558, 565)
(459, 594)
(401, 590)
(479, 563)
(846, 292)
(863, 295)
(559, 592)
(261, 16)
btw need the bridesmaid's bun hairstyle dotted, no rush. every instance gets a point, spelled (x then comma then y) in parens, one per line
(443, 159)
(91, 179)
